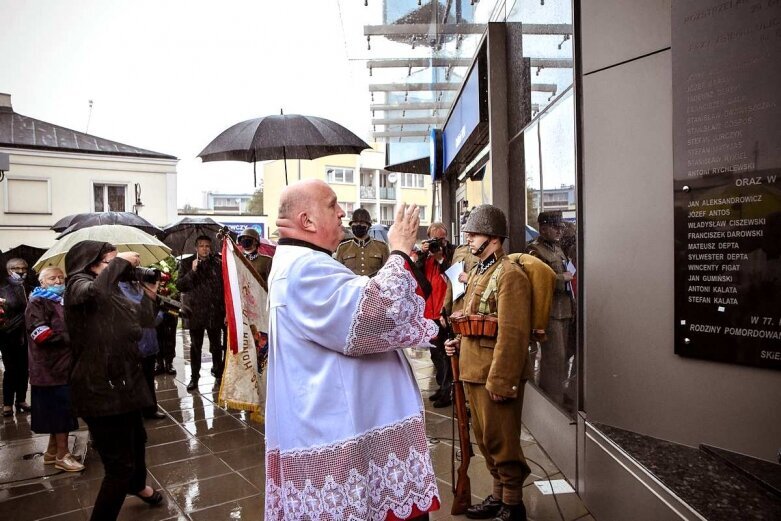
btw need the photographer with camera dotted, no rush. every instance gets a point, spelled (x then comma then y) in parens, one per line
(200, 280)
(107, 383)
(434, 259)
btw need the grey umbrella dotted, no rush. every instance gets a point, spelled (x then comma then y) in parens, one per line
(287, 136)
(78, 221)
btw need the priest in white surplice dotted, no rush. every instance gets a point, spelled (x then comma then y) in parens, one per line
(345, 435)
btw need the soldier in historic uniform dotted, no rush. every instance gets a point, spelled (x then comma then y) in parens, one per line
(362, 254)
(554, 362)
(493, 320)
(249, 240)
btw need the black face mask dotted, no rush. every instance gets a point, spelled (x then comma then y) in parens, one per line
(247, 244)
(359, 230)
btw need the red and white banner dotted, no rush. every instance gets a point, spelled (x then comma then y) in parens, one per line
(247, 315)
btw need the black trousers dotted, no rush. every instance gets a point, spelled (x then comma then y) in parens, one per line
(166, 339)
(14, 350)
(443, 371)
(148, 366)
(120, 440)
(215, 348)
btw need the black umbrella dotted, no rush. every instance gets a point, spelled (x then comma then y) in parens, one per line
(78, 221)
(180, 236)
(30, 254)
(283, 137)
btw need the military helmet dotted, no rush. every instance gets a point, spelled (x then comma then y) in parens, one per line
(361, 215)
(486, 219)
(250, 232)
(552, 218)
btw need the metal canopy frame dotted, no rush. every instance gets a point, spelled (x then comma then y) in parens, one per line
(441, 29)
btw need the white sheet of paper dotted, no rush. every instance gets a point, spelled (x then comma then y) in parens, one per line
(452, 274)
(571, 268)
(560, 486)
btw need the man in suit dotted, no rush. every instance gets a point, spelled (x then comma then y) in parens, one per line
(201, 282)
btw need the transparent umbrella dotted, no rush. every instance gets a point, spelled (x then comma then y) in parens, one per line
(124, 238)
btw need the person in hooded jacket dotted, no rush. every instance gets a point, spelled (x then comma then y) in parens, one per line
(108, 389)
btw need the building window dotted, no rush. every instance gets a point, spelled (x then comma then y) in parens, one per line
(109, 198)
(422, 213)
(387, 214)
(348, 208)
(340, 175)
(412, 180)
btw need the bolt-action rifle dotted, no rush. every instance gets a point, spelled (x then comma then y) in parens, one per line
(462, 488)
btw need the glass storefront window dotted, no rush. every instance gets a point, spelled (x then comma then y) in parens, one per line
(549, 148)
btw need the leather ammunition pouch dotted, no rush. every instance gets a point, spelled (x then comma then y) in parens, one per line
(475, 325)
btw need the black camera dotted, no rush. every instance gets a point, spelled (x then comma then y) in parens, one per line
(147, 274)
(433, 245)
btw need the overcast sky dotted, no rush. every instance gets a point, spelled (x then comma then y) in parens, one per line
(170, 75)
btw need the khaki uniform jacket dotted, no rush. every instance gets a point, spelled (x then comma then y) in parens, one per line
(262, 264)
(554, 256)
(363, 257)
(501, 363)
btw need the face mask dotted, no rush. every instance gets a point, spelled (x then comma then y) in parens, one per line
(57, 289)
(359, 230)
(247, 243)
(17, 278)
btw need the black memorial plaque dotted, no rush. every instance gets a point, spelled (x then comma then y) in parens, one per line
(726, 59)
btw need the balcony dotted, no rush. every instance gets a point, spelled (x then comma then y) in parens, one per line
(388, 193)
(368, 192)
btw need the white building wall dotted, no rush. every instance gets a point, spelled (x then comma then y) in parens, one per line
(71, 178)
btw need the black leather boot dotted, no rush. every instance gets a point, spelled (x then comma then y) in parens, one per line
(193, 384)
(485, 510)
(511, 513)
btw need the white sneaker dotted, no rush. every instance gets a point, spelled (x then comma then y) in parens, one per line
(68, 463)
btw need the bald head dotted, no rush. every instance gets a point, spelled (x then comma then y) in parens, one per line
(308, 211)
(298, 197)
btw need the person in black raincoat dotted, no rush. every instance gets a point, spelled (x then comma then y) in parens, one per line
(13, 339)
(108, 389)
(200, 281)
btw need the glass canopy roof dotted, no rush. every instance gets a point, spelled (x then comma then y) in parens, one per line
(418, 52)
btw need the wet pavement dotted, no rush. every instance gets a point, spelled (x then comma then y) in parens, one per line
(208, 461)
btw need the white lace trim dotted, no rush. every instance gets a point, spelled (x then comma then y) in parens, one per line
(394, 475)
(389, 313)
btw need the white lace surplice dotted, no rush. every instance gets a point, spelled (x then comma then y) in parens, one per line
(345, 436)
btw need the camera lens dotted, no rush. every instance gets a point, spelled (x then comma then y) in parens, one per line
(147, 274)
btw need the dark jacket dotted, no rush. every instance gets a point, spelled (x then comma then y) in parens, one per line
(148, 344)
(104, 328)
(12, 323)
(48, 346)
(203, 296)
